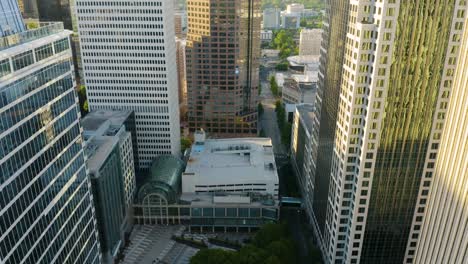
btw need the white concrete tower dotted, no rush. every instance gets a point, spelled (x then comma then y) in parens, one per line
(129, 62)
(391, 85)
(444, 232)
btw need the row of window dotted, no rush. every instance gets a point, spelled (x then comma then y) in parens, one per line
(118, 3)
(21, 87)
(112, 56)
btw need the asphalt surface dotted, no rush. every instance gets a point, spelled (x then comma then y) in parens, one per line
(268, 122)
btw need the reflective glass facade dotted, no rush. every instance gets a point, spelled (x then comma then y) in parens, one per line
(11, 21)
(222, 62)
(109, 199)
(328, 94)
(413, 91)
(46, 213)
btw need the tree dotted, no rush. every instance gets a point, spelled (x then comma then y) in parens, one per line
(270, 245)
(185, 143)
(284, 249)
(269, 233)
(86, 106)
(260, 109)
(83, 101)
(283, 66)
(213, 256)
(314, 255)
(273, 86)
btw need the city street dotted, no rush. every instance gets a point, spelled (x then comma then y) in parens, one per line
(268, 120)
(291, 216)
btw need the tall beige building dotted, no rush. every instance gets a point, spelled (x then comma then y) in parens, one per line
(180, 60)
(444, 233)
(222, 60)
(309, 41)
(386, 73)
(180, 24)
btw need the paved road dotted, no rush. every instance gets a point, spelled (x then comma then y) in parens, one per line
(268, 120)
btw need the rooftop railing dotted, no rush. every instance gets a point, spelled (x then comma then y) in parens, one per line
(43, 29)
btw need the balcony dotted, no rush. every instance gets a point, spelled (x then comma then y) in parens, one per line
(44, 29)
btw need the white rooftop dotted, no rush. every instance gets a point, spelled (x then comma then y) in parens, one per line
(217, 163)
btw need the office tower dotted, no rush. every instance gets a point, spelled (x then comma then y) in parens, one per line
(222, 60)
(46, 210)
(55, 10)
(180, 23)
(271, 18)
(309, 41)
(445, 226)
(109, 152)
(129, 63)
(385, 77)
(181, 69)
(11, 21)
(29, 8)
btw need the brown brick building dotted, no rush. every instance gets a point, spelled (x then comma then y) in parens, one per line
(222, 61)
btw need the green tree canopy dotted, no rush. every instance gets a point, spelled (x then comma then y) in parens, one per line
(185, 143)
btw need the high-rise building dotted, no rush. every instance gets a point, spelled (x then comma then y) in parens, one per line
(11, 21)
(180, 23)
(386, 72)
(222, 60)
(55, 10)
(309, 41)
(181, 69)
(46, 210)
(111, 168)
(445, 226)
(129, 62)
(271, 18)
(29, 8)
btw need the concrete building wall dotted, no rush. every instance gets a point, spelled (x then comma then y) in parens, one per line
(443, 236)
(129, 62)
(310, 41)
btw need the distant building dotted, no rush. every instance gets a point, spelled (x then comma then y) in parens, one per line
(231, 165)
(133, 67)
(181, 76)
(120, 125)
(298, 63)
(291, 17)
(290, 20)
(180, 23)
(295, 8)
(270, 53)
(297, 91)
(301, 154)
(310, 41)
(228, 185)
(271, 18)
(105, 167)
(266, 35)
(54, 10)
(223, 60)
(29, 9)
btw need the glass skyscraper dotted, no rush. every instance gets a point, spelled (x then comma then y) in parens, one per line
(46, 211)
(11, 21)
(386, 74)
(222, 62)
